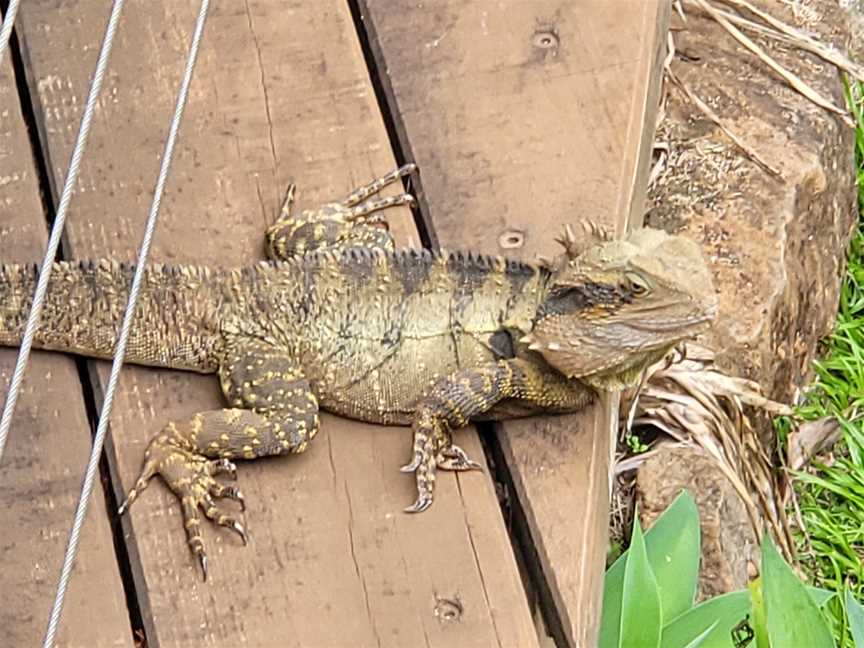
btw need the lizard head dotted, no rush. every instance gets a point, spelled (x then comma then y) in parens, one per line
(614, 306)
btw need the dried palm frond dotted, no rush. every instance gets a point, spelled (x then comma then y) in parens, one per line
(810, 439)
(692, 401)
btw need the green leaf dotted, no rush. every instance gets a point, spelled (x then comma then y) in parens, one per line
(699, 642)
(793, 619)
(757, 613)
(820, 596)
(672, 544)
(714, 618)
(855, 613)
(640, 603)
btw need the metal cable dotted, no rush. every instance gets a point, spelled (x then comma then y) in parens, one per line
(57, 228)
(6, 29)
(128, 317)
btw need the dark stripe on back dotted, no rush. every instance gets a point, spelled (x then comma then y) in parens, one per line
(411, 268)
(469, 273)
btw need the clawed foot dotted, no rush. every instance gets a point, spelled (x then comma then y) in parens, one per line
(433, 449)
(354, 221)
(191, 477)
(454, 458)
(366, 191)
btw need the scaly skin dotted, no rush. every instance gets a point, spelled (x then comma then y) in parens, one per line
(340, 320)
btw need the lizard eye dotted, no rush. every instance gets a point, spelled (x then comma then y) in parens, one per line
(637, 285)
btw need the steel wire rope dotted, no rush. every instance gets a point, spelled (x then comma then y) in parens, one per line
(8, 24)
(128, 316)
(59, 221)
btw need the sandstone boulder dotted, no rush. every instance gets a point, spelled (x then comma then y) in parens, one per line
(776, 247)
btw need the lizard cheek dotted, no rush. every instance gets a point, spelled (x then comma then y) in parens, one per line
(559, 342)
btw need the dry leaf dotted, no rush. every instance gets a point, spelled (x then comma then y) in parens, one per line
(779, 30)
(811, 438)
(690, 399)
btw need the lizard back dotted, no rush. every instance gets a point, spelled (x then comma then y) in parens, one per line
(370, 329)
(376, 329)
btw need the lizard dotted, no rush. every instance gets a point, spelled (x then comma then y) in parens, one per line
(338, 319)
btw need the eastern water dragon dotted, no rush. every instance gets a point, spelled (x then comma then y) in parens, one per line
(338, 319)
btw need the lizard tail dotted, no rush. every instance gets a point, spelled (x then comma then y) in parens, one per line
(175, 319)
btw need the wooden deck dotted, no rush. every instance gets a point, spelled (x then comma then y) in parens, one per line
(523, 116)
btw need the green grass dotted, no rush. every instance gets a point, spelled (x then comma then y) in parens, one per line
(832, 497)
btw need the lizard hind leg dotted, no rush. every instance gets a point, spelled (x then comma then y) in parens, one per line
(173, 455)
(274, 412)
(368, 210)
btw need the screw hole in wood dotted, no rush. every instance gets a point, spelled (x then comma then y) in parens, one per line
(448, 609)
(545, 39)
(511, 239)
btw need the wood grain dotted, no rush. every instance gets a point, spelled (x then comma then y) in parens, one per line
(46, 451)
(524, 116)
(281, 93)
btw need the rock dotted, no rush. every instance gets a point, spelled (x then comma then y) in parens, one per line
(728, 541)
(776, 247)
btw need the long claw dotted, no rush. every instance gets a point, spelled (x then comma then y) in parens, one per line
(231, 492)
(289, 193)
(148, 470)
(423, 502)
(225, 466)
(240, 531)
(414, 465)
(238, 496)
(202, 560)
(408, 169)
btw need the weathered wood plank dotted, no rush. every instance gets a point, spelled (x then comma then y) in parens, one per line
(47, 449)
(524, 116)
(281, 92)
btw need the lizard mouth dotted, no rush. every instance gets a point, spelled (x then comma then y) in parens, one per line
(580, 349)
(669, 315)
(696, 322)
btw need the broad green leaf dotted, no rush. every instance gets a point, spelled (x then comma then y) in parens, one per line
(820, 596)
(757, 613)
(717, 615)
(640, 602)
(699, 642)
(672, 544)
(793, 619)
(855, 613)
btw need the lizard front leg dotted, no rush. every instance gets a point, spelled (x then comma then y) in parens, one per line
(273, 411)
(354, 221)
(467, 394)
